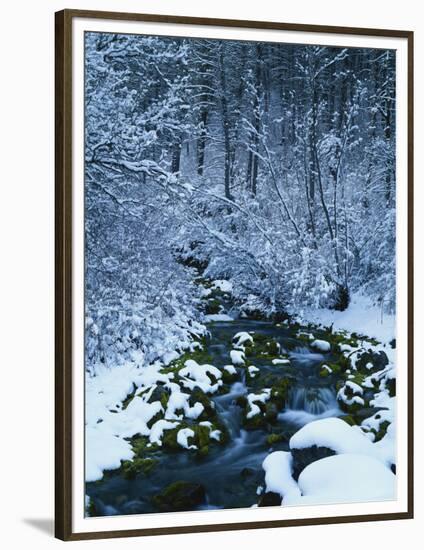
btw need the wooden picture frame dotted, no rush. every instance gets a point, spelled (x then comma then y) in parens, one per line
(66, 292)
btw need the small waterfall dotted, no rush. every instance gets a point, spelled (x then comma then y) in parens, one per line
(308, 404)
(229, 412)
(311, 400)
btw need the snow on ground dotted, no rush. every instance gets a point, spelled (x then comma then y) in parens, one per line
(361, 316)
(109, 422)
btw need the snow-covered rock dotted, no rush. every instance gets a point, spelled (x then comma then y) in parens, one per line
(182, 438)
(242, 339)
(333, 433)
(237, 357)
(278, 477)
(321, 345)
(344, 478)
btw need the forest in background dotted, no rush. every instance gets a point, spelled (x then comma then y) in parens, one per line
(271, 166)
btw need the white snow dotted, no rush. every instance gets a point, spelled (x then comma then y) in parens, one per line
(333, 433)
(193, 374)
(278, 477)
(230, 369)
(321, 345)
(281, 361)
(223, 285)
(253, 398)
(157, 430)
(356, 388)
(344, 478)
(253, 371)
(104, 451)
(216, 317)
(242, 338)
(183, 436)
(237, 357)
(361, 317)
(179, 401)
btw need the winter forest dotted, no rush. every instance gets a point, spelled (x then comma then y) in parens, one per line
(240, 209)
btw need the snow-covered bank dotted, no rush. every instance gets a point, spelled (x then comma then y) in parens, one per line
(357, 470)
(361, 317)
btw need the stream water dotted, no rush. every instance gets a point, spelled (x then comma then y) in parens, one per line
(230, 474)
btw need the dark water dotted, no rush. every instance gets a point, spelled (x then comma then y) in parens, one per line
(230, 474)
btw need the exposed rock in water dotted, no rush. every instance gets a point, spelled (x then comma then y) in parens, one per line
(180, 496)
(269, 499)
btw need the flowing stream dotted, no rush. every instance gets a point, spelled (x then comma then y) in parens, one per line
(232, 473)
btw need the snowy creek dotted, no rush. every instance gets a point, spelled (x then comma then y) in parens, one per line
(232, 474)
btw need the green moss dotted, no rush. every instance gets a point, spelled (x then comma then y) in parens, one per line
(129, 398)
(229, 378)
(272, 439)
(201, 357)
(139, 446)
(255, 422)
(200, 439)
(180, 496)
(198, 396)
(382, 430)
(131, 468)
(279, 392)
(324, 373)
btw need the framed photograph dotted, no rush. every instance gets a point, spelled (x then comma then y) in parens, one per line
(233, 274)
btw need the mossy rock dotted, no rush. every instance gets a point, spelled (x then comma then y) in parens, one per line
(229, 378)
(280, 392)
(273, 439)
(160, 393)
(325, 373)
(142, 446)
(131, 468)
(201, 356)
(382, 430)
(379, 360)
(256, 422)
(180, 496)
(199, 396)
(201, 437)
(264, 348)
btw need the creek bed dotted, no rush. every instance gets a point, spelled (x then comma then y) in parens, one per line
(230, 474)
